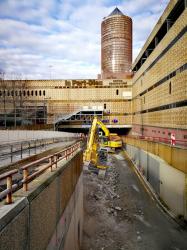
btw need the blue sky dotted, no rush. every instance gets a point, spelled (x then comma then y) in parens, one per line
(60, 39)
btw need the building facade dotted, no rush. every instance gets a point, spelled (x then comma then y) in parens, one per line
(49, 101)
(152, 103)
(159, 103)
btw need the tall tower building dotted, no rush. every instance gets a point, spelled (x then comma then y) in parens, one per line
(116, 46)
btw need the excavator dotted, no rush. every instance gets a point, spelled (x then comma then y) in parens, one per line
(96, 154)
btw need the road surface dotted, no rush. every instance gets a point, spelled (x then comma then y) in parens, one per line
(121, 215)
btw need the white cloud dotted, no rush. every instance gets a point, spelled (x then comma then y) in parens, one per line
(64, 34)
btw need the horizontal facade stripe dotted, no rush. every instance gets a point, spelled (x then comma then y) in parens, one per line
(164, 107)
(164, 79)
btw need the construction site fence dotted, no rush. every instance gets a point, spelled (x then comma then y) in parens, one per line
(175, 142)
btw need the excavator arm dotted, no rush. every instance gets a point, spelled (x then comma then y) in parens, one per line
(104, 128)
(92, 144)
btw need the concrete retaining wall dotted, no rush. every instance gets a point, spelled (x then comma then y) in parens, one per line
(168, 182)
(49, 215)
(174, 156)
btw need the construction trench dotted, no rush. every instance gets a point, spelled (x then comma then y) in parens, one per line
(119, 213)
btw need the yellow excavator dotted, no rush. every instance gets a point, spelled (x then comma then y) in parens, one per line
(95, 153)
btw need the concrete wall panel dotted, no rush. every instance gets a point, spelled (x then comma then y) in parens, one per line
(14, 236)
(134, 152)
(167, 181)
(43, 217)
(68, 232)
(153, 173)
(143, 162)
(174, 156)
(74, 234)
(172, 188)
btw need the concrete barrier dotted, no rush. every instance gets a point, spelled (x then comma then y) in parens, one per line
(169, 183)
(174, 156)
(49, 215)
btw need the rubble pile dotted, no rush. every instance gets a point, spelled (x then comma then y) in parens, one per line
(104, 205)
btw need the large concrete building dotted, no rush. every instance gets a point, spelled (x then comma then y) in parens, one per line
(152, 103)
(159, 103)
(116, 46)
(71, 103)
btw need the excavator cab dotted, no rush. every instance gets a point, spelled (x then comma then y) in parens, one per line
(109, 140)
(104, 141)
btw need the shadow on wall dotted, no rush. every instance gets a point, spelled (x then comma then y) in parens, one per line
(167, 181)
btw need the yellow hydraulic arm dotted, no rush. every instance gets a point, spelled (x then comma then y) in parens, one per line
(92, 144)
(104, 128)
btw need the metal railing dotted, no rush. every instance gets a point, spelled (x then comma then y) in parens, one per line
(9, 187)
(162, 140)
(48, 162)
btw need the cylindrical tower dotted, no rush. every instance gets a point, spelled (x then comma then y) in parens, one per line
(116, 46)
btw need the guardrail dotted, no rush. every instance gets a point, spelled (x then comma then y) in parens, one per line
(28, 176)
(161, 139)
(175, 156)
(10, 188)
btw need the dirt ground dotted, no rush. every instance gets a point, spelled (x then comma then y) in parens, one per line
(120, 215)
